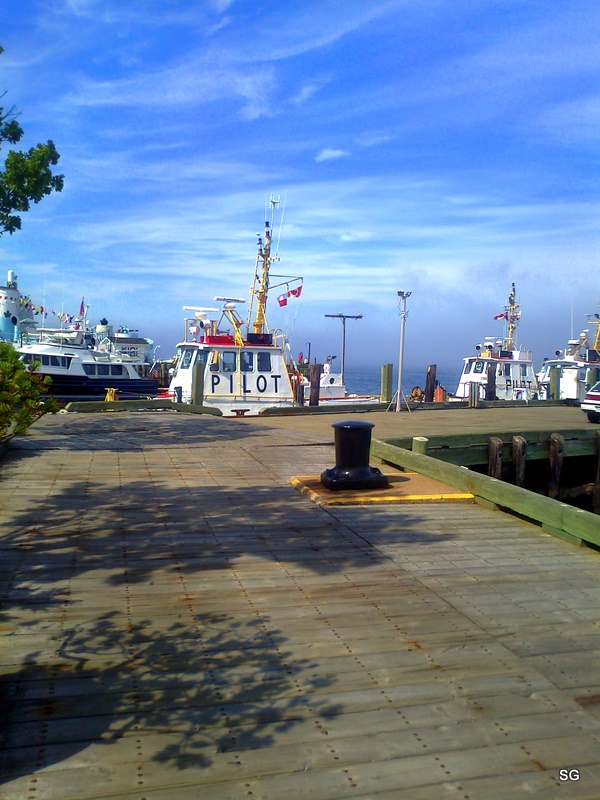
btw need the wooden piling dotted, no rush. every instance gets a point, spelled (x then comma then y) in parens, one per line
(386, 393)
(314, 376)
(474, 399)
(490, 387)
(430, 383)
(519, 454)
(197, 398)
(557, 444)
(495, 457)
(554, 389)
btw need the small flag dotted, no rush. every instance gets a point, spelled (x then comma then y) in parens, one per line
(82, 308)
(295, 292)
(300, 357)
(282, 299)
(504, 315)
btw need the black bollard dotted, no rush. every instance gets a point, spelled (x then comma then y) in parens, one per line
(352, 470)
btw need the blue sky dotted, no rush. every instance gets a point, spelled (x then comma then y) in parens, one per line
(446, 148)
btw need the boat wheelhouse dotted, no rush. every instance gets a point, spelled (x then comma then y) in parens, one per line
(500, 369)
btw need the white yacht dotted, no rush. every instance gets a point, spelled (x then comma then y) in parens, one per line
(70, 357)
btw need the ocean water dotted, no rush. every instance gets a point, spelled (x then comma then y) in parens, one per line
(367, 380)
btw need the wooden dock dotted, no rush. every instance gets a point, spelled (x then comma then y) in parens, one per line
(179, 622)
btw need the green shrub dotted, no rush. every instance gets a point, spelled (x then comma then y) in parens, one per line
(21, 391)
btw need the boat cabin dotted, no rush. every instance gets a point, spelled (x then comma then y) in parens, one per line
(238, 376)
(511, 370)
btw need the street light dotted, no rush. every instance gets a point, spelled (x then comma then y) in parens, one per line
(403, 314)
(344, 317)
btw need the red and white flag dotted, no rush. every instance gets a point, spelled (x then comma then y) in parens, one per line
(82, 308)
(282, 299)
(296, 292)
(504, 315)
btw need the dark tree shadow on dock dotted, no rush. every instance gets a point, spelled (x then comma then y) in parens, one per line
(204, 680)
(206, 686)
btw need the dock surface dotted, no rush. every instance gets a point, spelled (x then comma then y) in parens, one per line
(178, 622)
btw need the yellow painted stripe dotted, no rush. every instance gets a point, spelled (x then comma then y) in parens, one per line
(340, 499)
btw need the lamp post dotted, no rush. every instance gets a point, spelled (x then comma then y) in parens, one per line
(403, 313)
(344, 317)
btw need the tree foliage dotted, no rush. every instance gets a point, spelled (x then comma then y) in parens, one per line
(27, 176)
(21, 390)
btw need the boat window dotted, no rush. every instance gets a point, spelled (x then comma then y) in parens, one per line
(55, 361)
(66, 362)
(187, 359)
(246, 361)
(46, 361)
(523, 368)
(468, 366)
(479, 365)
(116, 369)
(229, 361)
(263, 362)
(103, 369)
(89, 369)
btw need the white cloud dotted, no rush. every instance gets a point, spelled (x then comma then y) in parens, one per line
(329, 154)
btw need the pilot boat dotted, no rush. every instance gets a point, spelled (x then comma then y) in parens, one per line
(573, 371)
(238, 368)
(500, 369)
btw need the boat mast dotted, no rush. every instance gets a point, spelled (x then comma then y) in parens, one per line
(260, 287)
(512, 320)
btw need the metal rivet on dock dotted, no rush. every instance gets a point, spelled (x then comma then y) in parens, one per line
(352, 470)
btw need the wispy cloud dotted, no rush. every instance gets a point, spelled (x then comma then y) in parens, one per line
(329, 154)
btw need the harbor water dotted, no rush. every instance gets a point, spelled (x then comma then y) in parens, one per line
(367, 380)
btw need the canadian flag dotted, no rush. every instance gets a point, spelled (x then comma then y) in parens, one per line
(282, 299)
(296, 292)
